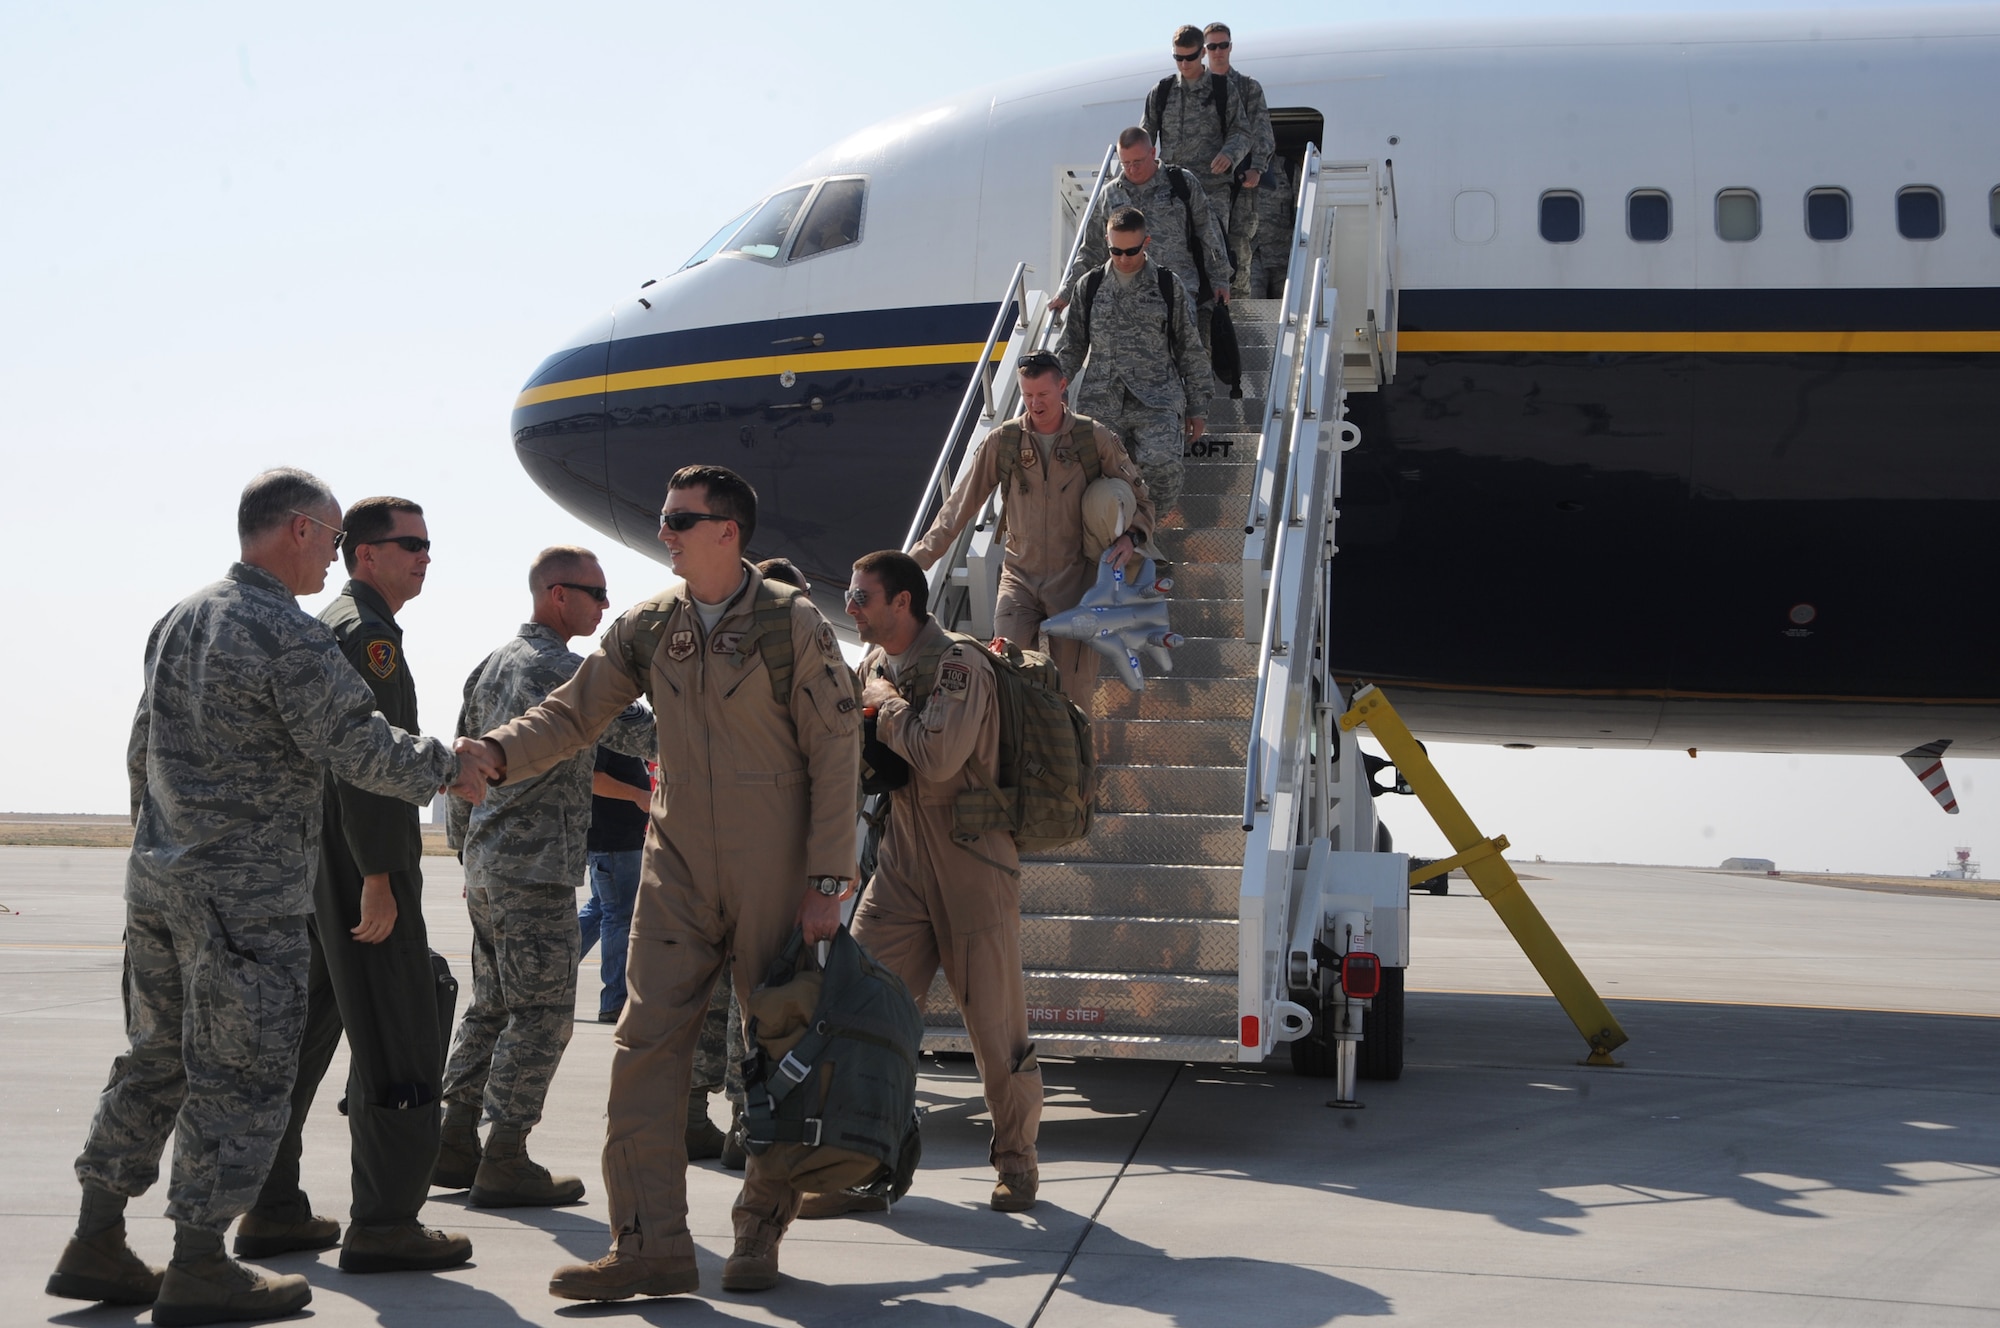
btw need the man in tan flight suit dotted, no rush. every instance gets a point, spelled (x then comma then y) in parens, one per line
(753, 834)
(934, 899)
(1059, 517)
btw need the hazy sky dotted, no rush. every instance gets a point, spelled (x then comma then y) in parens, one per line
(237, 236)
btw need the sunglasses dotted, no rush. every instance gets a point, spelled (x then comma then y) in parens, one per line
(857, 599)
(339, 535)
(1040, 359)
(598, 593)
(1138, 248)
(682, 522)
(1186, 59)
(1218, 46)
(407, 543)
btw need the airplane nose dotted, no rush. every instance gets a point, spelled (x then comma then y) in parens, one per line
(558, 425)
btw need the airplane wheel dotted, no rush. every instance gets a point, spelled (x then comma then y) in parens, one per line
(1380, 1055)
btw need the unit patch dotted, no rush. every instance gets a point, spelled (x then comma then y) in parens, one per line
(681, 646)
(826, 642)
(724, 643)
(952, 681)
(381, 658)
(845, 704)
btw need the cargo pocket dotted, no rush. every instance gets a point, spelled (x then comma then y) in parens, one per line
(246, 1011)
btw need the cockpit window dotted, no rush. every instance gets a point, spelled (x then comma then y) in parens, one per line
(834, 221)
(764, 235)
(715, 242)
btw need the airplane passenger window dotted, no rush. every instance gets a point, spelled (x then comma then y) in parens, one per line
(1920, 213)
(1737, 215)
(764, 235)
(1827, 214)
(715, 242)
(834, 221)
(1562, 216)
(1649, 215)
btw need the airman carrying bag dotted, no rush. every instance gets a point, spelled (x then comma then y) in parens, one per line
(830, 1084)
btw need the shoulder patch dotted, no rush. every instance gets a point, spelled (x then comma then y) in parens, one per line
(681, 646)
(381, 658)
(953, 679)
(826, 642)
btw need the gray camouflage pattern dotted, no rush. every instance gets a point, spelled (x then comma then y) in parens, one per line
(718, 1056)
(214, 1010)
(1247, 94)
(1166, 222)
(1190, 133)
(1157, 443)
(1277, 205)
(533, 832)
(525, 949)
(247, 702)
(1253, 113)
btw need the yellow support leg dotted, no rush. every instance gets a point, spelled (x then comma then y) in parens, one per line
(1490, 872)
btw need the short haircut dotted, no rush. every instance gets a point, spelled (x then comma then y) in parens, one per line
(1037, 364)
(1187, 34)
(728, 493)
(899, 574)
(555, 563)
(1213, 28)
(369, 520)
(270, 499)
(1128, 219)
(785, 570)
(1133, 137)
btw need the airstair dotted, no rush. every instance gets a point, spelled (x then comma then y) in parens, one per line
(1182, 928)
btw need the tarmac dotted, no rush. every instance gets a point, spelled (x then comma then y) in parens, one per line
(1802, 1132)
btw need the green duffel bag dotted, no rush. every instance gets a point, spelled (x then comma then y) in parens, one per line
(830, 1084)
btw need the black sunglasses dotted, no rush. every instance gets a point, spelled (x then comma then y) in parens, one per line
(1138, 248)
(682, 522)
(1186, 59)
(407, 543)
(598, 593)
(1218, 46)
(1039, 360)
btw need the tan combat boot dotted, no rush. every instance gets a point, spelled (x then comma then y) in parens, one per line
(840, 1203)
(204, 1285)
(619, 1276)
(458, 1148)
(734, 1155)
(261, 1235)
(703, 1139)
(509, 1178)
(404, 1247)
(103, 1268)
(753, 1266)
(1016, 1191)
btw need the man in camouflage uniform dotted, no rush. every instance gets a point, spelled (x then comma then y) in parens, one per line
(247, 700)
(752, 836)
(1246, 101)
(371, 969)
(1186, 239)
(1059, 521)
(1199, 125)
(1277, 208)
(524, 856)
(1149, 377)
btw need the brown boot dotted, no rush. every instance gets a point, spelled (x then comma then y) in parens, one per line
(458, 1148)
(509, 1178)
(1016, 1191)
(703, 1139)
(840, 1203)
(734, 1155)
(261, 1235)
(104, 1268)
(619, 1276)
(752, 1267)
(403, 1247)
(204, 1285)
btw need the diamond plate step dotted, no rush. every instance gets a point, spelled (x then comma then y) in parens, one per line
(1118, 1003)
(1129, 889)
(1201, 546)
(1084, 944)
(1206, 657)
(1105, 1046)
(1219, 474)
(1171, 742)
(1143, 837)
(1207, 581)
(1193, 790)
(1175, 697)
(1205, 617)
(1200, 511)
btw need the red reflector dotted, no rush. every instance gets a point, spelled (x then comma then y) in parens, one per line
(1251, 1037)
(1361, 975)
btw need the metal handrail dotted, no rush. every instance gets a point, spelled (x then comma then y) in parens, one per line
(1311, 327)
(1083, 218)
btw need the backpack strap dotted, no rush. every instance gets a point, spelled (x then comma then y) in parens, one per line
(1178, 186)
(1219, 83)
(1156, 103)
(771, 632)
(1083, 437)
(647, 630)
(1008, 464)
(1169, 287)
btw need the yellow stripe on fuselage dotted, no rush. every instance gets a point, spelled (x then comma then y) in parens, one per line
(1720, 343)
(957, 352)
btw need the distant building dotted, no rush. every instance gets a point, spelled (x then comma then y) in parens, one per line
(1749, 864)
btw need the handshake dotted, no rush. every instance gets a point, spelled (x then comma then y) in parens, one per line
(479, 763)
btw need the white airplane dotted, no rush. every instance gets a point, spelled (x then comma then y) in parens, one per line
(1691, 439)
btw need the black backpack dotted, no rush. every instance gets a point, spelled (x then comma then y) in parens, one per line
(1156, 101)
(830, 1083)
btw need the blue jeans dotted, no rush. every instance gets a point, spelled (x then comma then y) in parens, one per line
(614, 885)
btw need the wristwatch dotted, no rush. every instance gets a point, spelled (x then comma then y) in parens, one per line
(830, 886)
